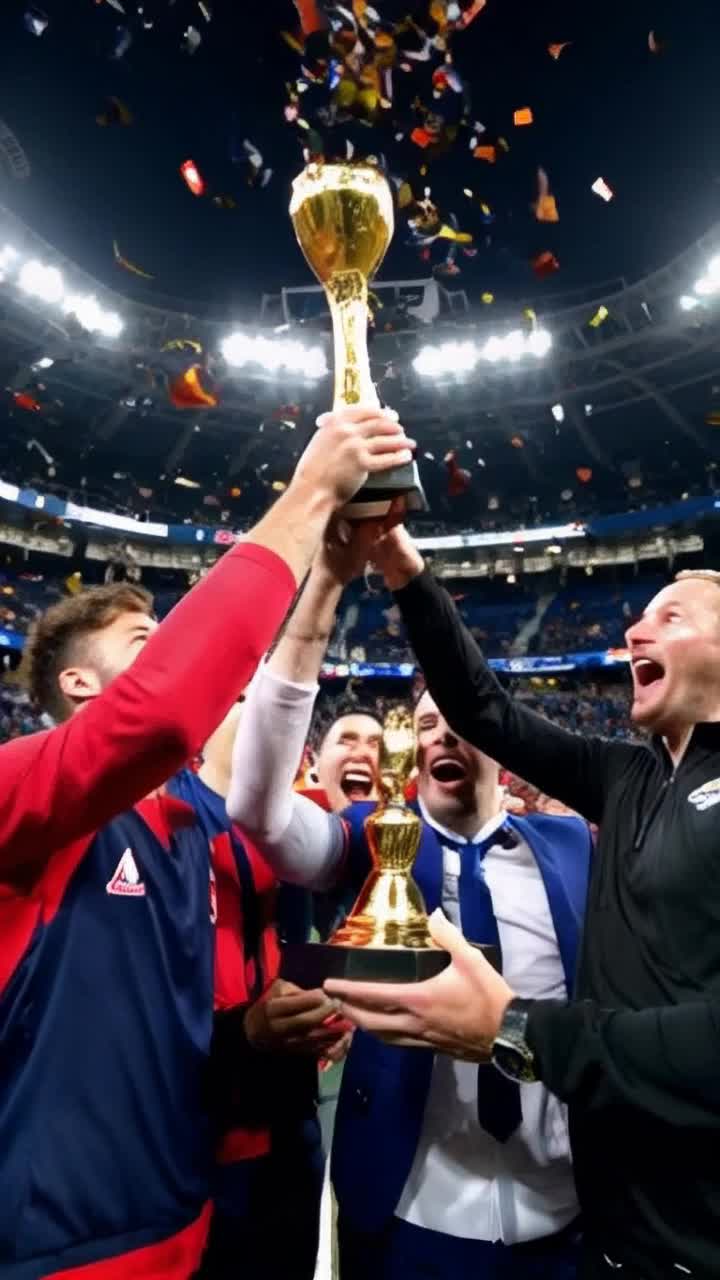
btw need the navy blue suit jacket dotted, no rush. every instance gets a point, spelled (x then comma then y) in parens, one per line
(384, 1088)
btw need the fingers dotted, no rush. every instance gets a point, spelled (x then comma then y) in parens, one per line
(384, 461)
(357, 413)
(301, 1024)
(299, 1001)
(387, 996)
(398, 1023)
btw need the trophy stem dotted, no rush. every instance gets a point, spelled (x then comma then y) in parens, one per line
(347, 295)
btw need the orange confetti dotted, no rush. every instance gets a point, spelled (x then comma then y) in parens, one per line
(546, 209)
(584, 474)
(485, 153)
(522, 116)
(556, 49)
(187, 391)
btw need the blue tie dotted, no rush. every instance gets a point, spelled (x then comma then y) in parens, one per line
(499, 1105)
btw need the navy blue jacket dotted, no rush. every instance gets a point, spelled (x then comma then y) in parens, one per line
(384, 1089)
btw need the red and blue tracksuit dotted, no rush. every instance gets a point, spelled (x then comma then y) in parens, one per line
(267, 1182)
(106, 952)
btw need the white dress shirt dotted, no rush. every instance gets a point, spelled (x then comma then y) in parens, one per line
(464, 1182)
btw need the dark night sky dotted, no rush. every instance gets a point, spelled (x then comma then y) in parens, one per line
(649, 124)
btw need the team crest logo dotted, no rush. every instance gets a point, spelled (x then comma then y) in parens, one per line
(706, 796)
(126, 881)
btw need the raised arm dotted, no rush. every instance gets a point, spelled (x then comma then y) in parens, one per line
(577, 770)
(302, 843)
(61, 785)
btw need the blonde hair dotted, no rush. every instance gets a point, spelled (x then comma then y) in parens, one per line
(703, 575)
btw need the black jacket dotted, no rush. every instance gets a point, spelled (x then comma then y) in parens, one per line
(637, 1052)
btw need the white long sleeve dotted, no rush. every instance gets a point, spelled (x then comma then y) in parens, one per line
(303, 844)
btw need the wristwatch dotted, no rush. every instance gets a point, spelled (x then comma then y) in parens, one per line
(511, 1053)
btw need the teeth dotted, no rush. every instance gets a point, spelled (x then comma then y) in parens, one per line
(640, 662)
(356, 777)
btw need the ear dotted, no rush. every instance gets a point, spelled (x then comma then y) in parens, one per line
(77, 684)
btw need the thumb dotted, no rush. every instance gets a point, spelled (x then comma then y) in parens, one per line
(445, 935)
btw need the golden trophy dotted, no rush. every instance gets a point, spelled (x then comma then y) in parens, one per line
(385, 937)
(344, 222)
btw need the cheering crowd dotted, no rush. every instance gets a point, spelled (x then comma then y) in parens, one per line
(553, 1117)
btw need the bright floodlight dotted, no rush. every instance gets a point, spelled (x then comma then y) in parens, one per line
(539, 343)
(91, 316)
(688, 303)
(706, 284)
(558, 413)
(45, 362)
(8, 257)
(427, 362)
(315, 363)
(41, 282)
(493, 349)
(514, 345)
(273, 354)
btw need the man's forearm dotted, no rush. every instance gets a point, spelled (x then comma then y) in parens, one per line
(300, 651)
(660, 1061)
(294, 526)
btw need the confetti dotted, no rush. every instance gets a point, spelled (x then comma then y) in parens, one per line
(487, 298)
(523, 116)
(123, 41)
(191, 41)
(192, 178)
(458, 478)
(129, 266)
(556, 49)
(187, 392)
(584, 474)
(544, 264)
(601, 188)
(601, 314)
(545, 206)
(485, 153)
(24, 400)
(36, 22)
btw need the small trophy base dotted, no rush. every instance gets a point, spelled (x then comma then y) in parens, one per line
(308, 964)
(373, 501)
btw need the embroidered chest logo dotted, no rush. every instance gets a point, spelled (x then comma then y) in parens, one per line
(706, 796)
(126, 882)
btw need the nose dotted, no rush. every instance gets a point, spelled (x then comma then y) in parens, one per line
(448, 738)
(639, 633)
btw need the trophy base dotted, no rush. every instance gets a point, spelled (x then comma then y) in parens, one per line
(373, 501)
(308, 964)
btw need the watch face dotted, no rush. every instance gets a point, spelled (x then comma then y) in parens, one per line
(513, 1063)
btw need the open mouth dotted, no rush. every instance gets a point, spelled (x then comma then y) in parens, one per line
(646, 672)
(356, 783)
(448, 769)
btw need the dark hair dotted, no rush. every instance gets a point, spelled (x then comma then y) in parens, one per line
(55, 638)
(330, 712)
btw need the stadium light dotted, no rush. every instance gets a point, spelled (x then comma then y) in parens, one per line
(463, 357)
(710, 282)
(90, 315)
(41, 282)
(688, 303)
(239, 349)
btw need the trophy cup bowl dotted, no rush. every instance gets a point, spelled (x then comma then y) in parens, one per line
(385, 937)
(344, 222)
